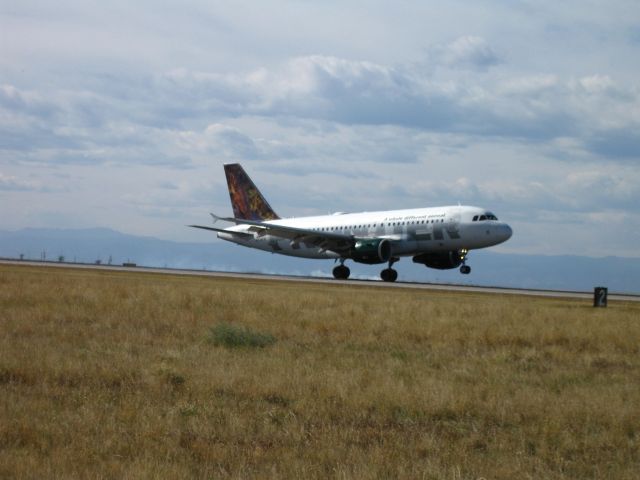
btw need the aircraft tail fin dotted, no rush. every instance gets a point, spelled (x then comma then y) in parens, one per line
(246, 200)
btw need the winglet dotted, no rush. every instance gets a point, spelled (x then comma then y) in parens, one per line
(247, 201)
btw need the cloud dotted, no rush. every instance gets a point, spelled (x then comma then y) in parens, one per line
(621, 144)
(11, 183)
(466, 52)
(141, 114)
(15, 100)
(231, 142)
(528, 108)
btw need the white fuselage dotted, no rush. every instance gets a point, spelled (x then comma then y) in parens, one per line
(411, 232)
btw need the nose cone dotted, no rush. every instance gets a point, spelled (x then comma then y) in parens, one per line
(505, 232)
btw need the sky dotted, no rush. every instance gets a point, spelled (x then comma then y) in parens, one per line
(121, 114)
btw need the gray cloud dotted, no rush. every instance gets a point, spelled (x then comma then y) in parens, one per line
(232, 142)
(633, 34)
(535, 108)
(133, 112)
(620, 143)
(11, 183)
(24, 102)
(466, 52)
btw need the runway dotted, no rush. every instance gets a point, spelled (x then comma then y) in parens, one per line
(331, 281)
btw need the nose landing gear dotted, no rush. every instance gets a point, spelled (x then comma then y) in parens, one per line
(389, 274)
(464, 268)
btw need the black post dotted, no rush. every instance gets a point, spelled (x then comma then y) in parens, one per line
(600, 297)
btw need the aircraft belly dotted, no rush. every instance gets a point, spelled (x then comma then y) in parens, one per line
(404, 247)
(425, 242)
(435, 246)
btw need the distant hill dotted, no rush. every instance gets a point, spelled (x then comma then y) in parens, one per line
(620, 275)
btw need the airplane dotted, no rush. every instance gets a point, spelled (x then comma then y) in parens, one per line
(437, 237)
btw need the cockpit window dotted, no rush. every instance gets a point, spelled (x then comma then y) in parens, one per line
(485, 216)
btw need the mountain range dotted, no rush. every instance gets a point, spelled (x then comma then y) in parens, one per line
(564, 272)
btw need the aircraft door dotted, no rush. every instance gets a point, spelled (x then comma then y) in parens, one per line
(453, 224)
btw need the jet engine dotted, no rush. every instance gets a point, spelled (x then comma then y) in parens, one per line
(441, 261)
(375, 250)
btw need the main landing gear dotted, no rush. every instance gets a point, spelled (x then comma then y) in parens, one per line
(464, 268)
(389, 274)
(341, 272)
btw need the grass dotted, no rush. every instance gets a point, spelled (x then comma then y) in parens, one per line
(233, 336)
(110, 375)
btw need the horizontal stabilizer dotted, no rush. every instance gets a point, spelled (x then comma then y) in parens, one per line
(222, 230)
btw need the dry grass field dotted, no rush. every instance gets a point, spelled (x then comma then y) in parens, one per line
(120, 375)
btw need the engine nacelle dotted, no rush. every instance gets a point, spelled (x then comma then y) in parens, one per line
(441, 261)
(376, 250)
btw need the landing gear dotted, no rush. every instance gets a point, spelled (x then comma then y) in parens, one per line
(389, 274)
(341, 272)
(464, 268)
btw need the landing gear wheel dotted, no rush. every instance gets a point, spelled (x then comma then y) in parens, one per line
(466, 269)
(389, 275)
(341, 272)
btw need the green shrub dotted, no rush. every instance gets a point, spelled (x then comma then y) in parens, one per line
(234, 336)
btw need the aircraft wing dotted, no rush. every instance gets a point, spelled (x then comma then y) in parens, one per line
(335, 242)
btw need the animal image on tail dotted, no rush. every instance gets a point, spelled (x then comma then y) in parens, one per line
(246, 200)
